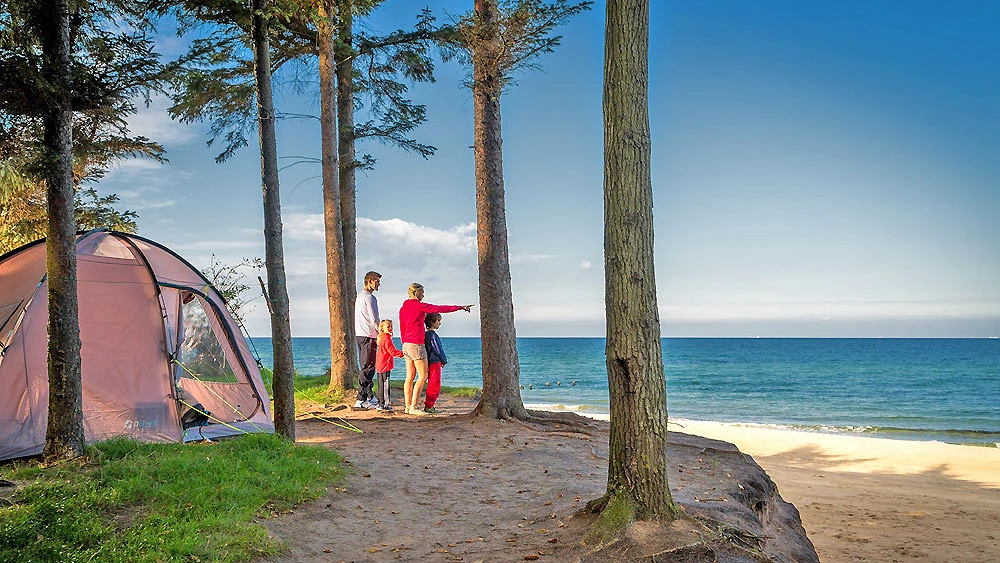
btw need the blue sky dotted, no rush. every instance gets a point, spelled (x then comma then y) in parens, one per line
(819, 169)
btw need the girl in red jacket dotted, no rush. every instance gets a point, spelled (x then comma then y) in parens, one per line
(384, 354)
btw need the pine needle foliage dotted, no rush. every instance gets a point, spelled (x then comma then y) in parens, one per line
(522, 31)
(114, 67)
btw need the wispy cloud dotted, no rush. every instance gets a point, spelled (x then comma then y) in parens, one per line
(304, 227)
(152, 205)
(528, 258)
(828, 310)
(154, 123)
(140, 195)
(135, 165)
(218, 245)
(585, 264)
(138, 192)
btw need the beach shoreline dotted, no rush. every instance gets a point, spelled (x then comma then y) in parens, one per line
(977, 463)
(864, 498)
(873, 498)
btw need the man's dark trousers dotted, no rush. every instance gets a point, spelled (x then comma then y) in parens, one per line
(366, 355)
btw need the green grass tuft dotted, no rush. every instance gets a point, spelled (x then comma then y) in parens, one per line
(129, 501)
(316, 389)
(445, 389)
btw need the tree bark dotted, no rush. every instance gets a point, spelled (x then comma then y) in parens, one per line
(341, 370)
(501, 372)
(274, 259)
(348, 176)
(637, 466)
(64, 434)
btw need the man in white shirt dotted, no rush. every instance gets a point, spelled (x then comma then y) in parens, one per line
(366, 330)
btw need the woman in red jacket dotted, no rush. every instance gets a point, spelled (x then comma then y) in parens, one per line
(411, 332)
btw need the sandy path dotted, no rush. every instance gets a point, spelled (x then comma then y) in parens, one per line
(448, 489)
(444, 490)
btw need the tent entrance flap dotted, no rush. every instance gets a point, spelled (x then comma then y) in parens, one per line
(202, 355)
(208, 375)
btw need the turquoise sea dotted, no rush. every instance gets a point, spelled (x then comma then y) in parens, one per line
(915, 389)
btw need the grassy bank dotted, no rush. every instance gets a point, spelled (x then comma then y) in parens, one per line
(127, 501)
(315, 389)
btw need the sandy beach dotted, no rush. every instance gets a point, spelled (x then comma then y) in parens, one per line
(875, 499)
(860, 498)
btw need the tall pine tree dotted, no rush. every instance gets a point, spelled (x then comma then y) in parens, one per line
(496, 40)
(637, 464)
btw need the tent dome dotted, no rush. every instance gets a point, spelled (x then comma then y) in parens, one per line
(162, 360)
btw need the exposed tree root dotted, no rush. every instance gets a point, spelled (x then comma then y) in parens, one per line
(595, 506)
(560, 424)
(611, 537)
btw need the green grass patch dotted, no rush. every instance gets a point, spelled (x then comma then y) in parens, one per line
(472, 392)
(129, 501)
(316, 389)
(445, 389)
(313, 388)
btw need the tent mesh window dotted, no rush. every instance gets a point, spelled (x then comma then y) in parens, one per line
(202, 356)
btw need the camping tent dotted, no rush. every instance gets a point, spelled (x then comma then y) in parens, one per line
(162, 358)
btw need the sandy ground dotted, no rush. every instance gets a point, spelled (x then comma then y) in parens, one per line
(445, 488)
(871, 499)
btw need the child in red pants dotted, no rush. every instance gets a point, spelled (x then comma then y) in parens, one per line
(435, 361)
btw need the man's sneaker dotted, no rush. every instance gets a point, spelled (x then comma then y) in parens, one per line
(417, 411)
(361, 405)
(372, 403)
(432, 410)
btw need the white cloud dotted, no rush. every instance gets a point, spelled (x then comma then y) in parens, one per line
(444, 260)
(304, 227)
(154, 123)
(457, 241)
(585, 264)
(416, 250)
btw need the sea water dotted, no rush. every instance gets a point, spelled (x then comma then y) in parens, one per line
(921, 389)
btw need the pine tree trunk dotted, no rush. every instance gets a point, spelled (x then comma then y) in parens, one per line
(341, 371)
(637, 472)
(348, 187)
(501, 371)
(274, 259)
(64, 434)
